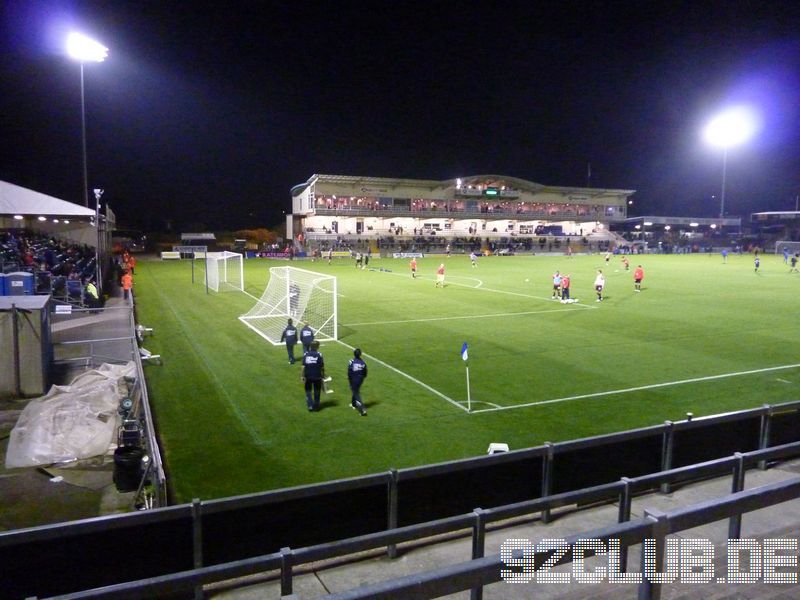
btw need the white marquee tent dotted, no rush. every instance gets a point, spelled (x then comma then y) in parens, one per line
(47, 214)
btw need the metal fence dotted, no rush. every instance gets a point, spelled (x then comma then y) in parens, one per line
(87, 338)
(482, 571)
(221, 539)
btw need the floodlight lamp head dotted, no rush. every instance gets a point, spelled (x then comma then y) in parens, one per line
(85, 49)
(731, 127)
(97, 193)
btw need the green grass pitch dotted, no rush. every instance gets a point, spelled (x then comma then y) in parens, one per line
(702, 336)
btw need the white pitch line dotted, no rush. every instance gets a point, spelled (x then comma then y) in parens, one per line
(482, 402)
(480, 282)
(484, 316)
(782, 380)
(407, 376)
(640, 388)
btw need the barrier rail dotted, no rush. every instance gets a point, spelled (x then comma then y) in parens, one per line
(480, 571)
(228, 531)
(117, 324)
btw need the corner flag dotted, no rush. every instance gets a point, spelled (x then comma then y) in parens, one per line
(464, 354)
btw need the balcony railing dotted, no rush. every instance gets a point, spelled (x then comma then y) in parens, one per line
(463, 213)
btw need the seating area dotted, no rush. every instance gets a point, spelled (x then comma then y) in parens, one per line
(34, 263)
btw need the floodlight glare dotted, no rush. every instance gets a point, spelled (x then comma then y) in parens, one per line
(647, 223)
(18, 217)
(731, 128)
(85, 49)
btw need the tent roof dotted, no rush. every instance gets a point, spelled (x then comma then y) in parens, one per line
(16, 200)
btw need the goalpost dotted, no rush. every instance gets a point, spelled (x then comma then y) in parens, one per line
(304, 296)
(224, 271)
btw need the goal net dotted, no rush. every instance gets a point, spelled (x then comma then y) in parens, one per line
(792, 247)
(304, 296)
(225, 271)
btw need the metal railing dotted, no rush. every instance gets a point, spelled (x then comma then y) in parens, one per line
(111, 339)
(226, 538)
(482, 571)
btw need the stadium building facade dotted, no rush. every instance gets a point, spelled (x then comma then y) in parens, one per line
(490, 206)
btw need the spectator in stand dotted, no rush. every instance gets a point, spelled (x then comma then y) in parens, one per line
(92, 297)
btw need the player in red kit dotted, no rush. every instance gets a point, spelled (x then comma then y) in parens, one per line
(638, 275)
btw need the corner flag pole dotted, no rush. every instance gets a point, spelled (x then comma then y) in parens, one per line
(465, 356)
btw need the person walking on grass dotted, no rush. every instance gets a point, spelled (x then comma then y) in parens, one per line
(306, 337)
(289, 336)
(638, 275)
(599, 284)
(556, 286)
(356, 374)
(312, 375)
(440, 276)
(565, 299)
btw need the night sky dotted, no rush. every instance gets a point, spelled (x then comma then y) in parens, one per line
(208, 112)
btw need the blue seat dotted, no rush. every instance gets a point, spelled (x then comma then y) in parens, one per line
(75, 291)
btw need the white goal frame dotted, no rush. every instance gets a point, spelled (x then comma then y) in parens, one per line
(222, 272)
(793, 247)
(307, 297)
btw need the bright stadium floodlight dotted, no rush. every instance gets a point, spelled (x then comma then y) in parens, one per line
(85, 49)
(730, 128)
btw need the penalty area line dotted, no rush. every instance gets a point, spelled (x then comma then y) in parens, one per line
(640, 388)
(461, 317)
(407, 376)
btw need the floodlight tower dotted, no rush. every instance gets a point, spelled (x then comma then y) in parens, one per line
(84, 49)
(730, 128)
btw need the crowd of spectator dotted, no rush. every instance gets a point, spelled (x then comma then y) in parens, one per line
(60, 268)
